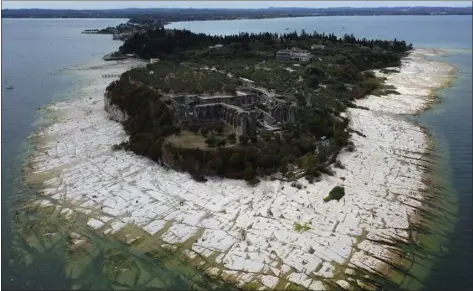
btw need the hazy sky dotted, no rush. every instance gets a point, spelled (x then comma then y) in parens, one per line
(220, 4)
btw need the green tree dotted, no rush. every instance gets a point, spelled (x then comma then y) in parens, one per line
(244, 139)
(231, 137)
(236, 159)
(283, 168)
(222, 142)
(219, 129)
(214, 164)
(154, 151)
(313, 82)
(277, 138)
(249, 173)
(211, 141)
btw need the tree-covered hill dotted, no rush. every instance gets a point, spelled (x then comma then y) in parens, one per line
(324, 87)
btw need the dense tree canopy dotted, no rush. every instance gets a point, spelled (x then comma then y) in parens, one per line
(161, 42)
(338, 73)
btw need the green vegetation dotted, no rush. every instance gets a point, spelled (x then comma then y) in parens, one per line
(301, 228)
(323, 88)
(253, 285)
(336, 193)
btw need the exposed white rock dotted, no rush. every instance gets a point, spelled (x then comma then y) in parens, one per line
(155, 226)
(344, 284)
(300, 278)
(214, 272)
(95, 223)
(317, 285)
(179, 233)
(269, 281)
(380, 184)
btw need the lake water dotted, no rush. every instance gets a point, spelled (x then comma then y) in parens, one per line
(37, 50)
(38, 54)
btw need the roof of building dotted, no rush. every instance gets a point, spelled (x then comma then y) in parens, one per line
(293, 51)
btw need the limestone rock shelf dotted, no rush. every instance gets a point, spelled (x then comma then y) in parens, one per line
(225, 226)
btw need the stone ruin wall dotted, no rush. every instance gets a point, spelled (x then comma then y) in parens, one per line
(236, 111)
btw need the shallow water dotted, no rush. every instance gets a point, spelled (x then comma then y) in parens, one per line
(449, 122)
(36, 54)
(35, 244)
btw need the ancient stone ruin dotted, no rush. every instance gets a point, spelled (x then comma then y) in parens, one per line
(249, 111)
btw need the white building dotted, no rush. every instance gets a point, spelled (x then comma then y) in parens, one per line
(317, 46)
(293, 54)
(217, 46)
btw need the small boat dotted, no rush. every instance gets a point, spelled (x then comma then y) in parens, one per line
(287, 28)
(9, 87)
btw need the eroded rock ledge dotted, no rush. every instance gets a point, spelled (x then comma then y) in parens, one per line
(245, 235)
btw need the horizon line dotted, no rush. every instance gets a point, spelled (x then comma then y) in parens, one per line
(260, 8)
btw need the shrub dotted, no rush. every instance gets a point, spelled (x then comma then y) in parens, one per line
(214, 164)
(244, 139)
(121, 146)
(219, 129)
(283, 168)
(327, 170)
(198, 177)
(310, 178)
(336, 193)
(296, 185)
(339, 165)
(254, 181)
(154, 151)
(351, 148)
(249, 173)
(222, 143)
(231, 137)
(211, 141)
(236, 159)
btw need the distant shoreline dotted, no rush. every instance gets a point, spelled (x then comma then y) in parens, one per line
(167, 15)
(239, 18)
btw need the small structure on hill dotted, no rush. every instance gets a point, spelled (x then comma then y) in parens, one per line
(293, 54)
(217, 46)
(317, 47)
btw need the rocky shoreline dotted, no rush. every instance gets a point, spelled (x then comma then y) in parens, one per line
(241, 234)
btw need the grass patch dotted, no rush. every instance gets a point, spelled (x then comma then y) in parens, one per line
(301, 228)
(252, 286)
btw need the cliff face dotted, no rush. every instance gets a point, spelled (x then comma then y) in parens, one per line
(167, 156)
(114, 113)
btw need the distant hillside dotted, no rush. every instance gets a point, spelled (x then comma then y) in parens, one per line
(189, 14)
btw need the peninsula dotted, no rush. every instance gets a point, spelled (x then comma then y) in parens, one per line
(304, 175)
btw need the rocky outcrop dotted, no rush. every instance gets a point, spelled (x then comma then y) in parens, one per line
(114, 113)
